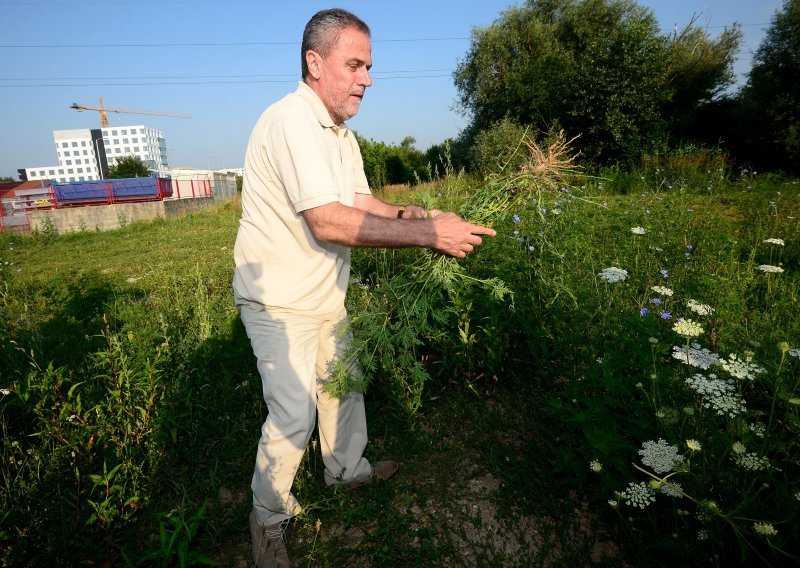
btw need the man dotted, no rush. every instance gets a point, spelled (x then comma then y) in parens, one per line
(305, 202)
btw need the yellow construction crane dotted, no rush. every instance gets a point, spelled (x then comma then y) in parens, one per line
(104, 110)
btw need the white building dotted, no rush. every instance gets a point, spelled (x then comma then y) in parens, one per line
(83, 154)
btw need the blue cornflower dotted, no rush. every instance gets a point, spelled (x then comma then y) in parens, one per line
(664, 274)
(643, 312)
(544, 211)
(516, 218)
(655, 302)
(665, 315)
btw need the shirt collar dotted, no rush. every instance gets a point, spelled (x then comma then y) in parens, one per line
(307, 94)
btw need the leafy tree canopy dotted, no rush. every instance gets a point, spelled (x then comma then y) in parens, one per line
(771, 97)
(128, 167)
(599, 69)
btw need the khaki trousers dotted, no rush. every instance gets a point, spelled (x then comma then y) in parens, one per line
(295, 354)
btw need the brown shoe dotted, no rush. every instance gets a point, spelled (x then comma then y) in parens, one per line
(269, 550)
(383, 470)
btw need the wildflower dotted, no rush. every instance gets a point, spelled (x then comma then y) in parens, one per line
(665, 315)
(695, 356)
(687, 328)
(771, 241)
(638, 230)
(5, 392)
(741, 368)
(770, 268)
(751, 461)
(738, 448)
(655, 302)
(663, 290)
(643, 312)
(758, 429)
(613, 274)
(688, 411)
(702, 534)
(797, 495)
(638, 495)
(794, 353)
(664, 274)
(653, 341)
(613, 504)
(694, 445)
(671, 489)
(660, 456)
(517, 219)
(531, 248)
(700, 309)
(765, 529)
(595, 466)
(718, 394)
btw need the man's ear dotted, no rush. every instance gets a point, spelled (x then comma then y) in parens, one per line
(314, 63)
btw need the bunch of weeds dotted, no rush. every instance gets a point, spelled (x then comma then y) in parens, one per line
(409, 300)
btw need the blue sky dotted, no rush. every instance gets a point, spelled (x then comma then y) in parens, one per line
(223, 62)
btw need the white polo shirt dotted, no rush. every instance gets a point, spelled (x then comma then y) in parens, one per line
(297, 159)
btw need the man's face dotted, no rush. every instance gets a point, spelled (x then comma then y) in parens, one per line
(343, 76)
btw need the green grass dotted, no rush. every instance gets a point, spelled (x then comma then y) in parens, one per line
(131, 405)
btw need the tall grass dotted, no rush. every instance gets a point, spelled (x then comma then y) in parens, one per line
(130, 399)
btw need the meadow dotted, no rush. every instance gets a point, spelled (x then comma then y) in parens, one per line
(613, 378)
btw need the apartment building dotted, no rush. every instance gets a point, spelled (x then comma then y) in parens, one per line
(85, 153)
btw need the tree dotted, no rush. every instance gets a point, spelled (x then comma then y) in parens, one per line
(770, 100)
(128, 167)
(599, 69)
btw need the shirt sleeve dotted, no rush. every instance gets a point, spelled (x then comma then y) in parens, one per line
(359, 176)
(298, 153)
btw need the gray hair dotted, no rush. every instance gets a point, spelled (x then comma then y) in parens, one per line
(323, 29)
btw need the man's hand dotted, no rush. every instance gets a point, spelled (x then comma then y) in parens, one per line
(414, 212)
(456, 237)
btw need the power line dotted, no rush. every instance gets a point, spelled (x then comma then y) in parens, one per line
(161, 83)
(373, 73)
(208, 44)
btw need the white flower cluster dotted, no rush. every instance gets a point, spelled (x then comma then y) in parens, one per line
(687, 328)
(794, 353)
(660, 456)
(695, 356)
(595, 466)
(758, 429)
(718, 394)
(638, 495)
(700, 309)
(751, 461)
(613, 274)
(671, 489)
(772, 241)
(765, 529)
(694, 445)
(638, 230)
(663, 290)
(770, 268)
(741, 368)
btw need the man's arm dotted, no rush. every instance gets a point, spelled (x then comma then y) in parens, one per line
(371, 204)
(354, 227)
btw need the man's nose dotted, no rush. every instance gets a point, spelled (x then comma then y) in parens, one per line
(365, 79)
